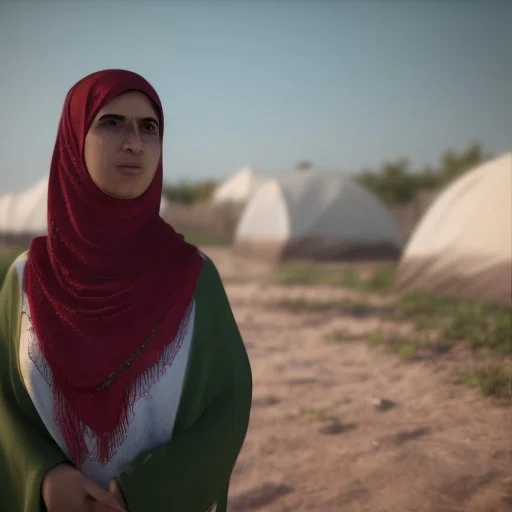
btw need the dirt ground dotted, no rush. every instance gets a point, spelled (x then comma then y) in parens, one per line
(347, 427)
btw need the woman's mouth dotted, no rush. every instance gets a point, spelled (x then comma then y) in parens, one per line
(129, 169)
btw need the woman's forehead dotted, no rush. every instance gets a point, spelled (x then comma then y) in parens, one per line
(130, 104)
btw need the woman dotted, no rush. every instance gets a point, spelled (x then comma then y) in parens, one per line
(124, 382)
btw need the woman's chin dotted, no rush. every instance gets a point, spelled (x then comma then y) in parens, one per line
(124, 192)
(125, 185)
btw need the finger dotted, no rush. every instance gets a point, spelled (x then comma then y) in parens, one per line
(114, 489)
(103, 496)
(118, 495)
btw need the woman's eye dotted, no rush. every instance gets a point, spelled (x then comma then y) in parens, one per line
(111, 123)
(150, 127)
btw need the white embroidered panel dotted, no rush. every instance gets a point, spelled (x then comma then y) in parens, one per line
(154, 414)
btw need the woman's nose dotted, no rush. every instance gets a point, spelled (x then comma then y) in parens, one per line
(132, 141)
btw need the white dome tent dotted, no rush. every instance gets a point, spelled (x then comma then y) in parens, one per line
(240, 187)
(165, 208)
(314, 214)
(23, 216)
(462, 248)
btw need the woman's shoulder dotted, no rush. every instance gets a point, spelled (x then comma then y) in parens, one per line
(210, 295)
(10, 295)
(19, 263)
(210, 276)
(14, 275)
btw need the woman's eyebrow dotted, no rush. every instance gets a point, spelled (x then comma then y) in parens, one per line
(119, 117)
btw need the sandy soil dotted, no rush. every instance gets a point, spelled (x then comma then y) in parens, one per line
(319, 439)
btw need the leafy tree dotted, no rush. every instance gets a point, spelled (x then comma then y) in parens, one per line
(190, 192)
(304, 165)
(396, 183)
(452, 164)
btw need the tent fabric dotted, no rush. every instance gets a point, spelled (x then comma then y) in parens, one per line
(165, 208)
(240, 187)
(316, 214)
(23, 216)
(25, 212)
(462, 247)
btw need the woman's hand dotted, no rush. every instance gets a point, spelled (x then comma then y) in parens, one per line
(65, 489)
(113, 487)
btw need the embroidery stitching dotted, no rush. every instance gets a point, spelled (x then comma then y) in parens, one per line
(143, 384)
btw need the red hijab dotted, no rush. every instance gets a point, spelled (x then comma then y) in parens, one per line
(109, 286)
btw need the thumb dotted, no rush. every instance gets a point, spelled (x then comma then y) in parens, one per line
(99, 494)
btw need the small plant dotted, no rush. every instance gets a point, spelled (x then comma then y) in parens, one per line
(481, 325)
(317, 274)
(305, 306)
(350, 278)
(494, 380)
(301, 273)
(313, 414)
(316, 306)
(420, 305)
(381, 280)
(405, 348)
(336, 337)
(375, 338)
(408, 351)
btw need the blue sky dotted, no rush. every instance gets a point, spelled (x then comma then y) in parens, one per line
(267, 83)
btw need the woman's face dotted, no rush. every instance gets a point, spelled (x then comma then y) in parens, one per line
(123, 146)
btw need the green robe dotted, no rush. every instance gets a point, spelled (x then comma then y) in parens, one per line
(187, 474)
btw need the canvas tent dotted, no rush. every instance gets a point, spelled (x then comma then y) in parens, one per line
(240, 187)
(315, 214)
(23, 215)
(165, 208)
(462, 248)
